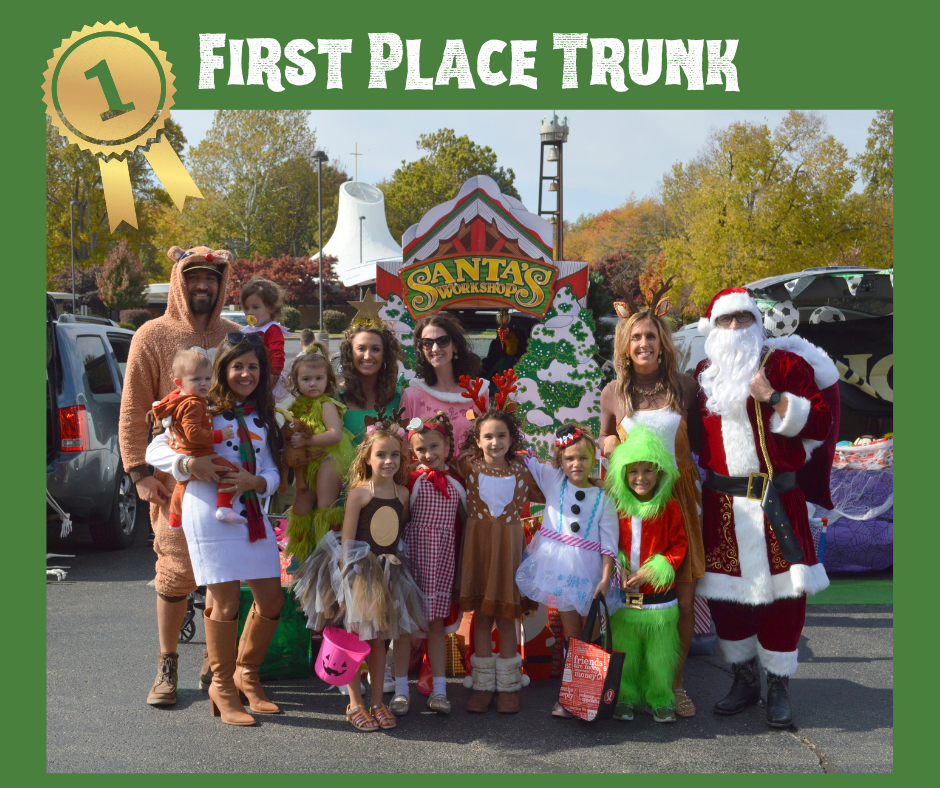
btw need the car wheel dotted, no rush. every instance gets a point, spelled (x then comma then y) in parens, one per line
(120, 528)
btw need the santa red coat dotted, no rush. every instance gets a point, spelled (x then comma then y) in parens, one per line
(743, 562)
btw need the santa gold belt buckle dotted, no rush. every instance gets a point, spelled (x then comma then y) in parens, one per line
(750, 485)
(635, 601)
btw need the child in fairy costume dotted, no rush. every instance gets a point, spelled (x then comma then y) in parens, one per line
(312, 380)
(652, 545)
(360, 578)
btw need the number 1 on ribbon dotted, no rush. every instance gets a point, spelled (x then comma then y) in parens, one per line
(111, 95)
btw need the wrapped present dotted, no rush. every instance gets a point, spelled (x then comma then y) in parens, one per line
(289, 655)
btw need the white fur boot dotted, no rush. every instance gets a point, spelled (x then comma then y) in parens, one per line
(509, 680)
(483, 677)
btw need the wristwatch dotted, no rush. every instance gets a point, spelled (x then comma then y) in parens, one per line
(774, 399)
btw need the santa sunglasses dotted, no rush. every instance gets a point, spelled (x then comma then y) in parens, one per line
(743, 318)
(441, 342)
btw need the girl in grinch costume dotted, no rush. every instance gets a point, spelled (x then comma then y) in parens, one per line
(652, 546)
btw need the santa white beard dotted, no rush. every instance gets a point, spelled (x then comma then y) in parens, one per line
(734, 358)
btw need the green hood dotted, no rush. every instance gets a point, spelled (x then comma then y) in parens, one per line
(642, 445)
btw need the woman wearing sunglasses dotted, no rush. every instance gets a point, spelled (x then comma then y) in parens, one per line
(443, 355)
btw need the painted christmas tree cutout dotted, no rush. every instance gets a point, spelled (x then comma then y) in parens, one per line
(558, 378)
(399, 319)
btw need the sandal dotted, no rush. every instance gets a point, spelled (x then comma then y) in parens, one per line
(361, 719)
(384, 717)
(684, 705)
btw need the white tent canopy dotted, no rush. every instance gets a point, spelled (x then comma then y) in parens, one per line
(360, 199)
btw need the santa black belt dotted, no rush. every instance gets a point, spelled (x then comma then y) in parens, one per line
(752, 486)
(759, 487)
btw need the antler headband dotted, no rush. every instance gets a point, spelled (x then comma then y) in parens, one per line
(391, 422)
(652, 300)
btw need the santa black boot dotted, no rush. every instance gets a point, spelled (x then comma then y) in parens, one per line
(744, 692)
(779, 714)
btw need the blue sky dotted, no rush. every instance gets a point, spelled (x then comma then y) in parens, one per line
(609, 155)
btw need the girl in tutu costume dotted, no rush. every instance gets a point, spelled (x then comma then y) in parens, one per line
(312, 380)
(571, 559)
(360, 578)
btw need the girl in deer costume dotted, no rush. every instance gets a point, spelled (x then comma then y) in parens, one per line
(498, 487)
(650, 391)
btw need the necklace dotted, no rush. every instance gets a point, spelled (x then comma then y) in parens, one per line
(648, 392)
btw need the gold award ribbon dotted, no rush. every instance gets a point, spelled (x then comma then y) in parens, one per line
(109, 89)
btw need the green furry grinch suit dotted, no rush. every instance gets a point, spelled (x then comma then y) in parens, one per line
(652, 539)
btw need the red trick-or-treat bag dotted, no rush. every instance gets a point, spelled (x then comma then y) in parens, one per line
(591, 679)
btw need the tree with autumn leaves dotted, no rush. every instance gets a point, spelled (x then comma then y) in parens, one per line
(756, 202)
(298, 276)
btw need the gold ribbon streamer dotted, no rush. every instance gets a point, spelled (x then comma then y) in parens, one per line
(171, 172)
(116, 181)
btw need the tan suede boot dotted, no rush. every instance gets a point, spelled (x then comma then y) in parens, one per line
(256, 637)
(163, 692)
(223, 695)
(508, 684)
(205, 672)
(483, 676)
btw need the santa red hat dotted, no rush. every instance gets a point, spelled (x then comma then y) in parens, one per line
(726, 302)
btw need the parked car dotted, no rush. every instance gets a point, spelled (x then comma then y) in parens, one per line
(235, 317)
(85, 362)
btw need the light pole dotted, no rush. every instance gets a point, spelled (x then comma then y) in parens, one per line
(361, 220)
(72, 205)
(320, 157)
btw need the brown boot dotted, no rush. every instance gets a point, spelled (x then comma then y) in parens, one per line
(205, 672)
(508, 684)
(483, 677)
(163, 692)
(256, 637)
(223, 696)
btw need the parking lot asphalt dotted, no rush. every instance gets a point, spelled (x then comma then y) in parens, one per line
(101, 660)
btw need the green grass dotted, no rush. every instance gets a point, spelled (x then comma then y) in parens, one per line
(857, 588)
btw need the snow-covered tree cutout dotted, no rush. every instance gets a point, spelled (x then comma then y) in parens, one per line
(399, 319)
(558, 378)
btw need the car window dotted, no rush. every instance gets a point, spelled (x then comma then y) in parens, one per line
(94, 356)
(121, 345)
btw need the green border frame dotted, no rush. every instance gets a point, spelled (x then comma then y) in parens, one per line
(804, 54)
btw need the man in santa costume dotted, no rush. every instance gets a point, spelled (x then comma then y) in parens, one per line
(760, 562)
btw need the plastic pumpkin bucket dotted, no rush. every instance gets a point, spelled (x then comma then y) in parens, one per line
(341, 654)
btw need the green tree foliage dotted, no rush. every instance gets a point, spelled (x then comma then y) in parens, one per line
(758, 202)
(876, 164)
(259, 181)
(122, 281)
(248, 168)
(74, 174)
(436, 177)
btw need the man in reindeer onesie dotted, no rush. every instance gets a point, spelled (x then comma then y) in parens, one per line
(764, 402)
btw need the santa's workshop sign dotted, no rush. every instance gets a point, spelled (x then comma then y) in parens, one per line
(512, 282)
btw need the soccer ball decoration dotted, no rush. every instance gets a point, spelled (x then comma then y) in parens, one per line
(827, 314)
(781, 319)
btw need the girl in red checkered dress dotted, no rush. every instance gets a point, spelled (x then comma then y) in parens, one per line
(431, 537)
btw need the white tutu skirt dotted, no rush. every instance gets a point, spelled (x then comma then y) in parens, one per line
(372, 596)
(563, 577)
